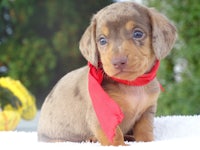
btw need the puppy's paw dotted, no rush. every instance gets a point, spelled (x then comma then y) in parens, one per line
(129, 138)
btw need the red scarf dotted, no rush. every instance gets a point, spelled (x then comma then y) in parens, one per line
(107, 110)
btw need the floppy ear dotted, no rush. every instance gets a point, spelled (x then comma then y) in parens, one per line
(88, 45)
(163, 34)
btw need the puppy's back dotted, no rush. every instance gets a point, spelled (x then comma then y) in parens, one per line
(63, 113)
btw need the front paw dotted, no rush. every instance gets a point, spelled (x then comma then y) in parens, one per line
(129, 138)
(117, 140)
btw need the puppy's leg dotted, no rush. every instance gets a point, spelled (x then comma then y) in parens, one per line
(117, 140)
(143, 129)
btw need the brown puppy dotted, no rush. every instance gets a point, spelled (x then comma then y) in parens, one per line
(127, 39)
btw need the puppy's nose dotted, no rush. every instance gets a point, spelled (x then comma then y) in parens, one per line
(119, 62)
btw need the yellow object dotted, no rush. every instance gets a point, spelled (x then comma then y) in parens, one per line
(9, 120)
(26, 111)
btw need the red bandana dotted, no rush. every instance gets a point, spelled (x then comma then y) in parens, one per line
(107, 110)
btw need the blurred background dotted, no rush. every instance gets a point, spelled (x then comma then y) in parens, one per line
(39, 44)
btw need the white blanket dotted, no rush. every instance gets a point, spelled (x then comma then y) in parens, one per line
(171, 132)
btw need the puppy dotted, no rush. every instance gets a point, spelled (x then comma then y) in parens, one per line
(126, 39)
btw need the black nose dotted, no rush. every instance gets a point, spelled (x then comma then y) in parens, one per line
(119, 62)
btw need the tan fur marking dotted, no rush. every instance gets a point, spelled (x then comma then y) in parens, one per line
(129, 25)
(105, 31)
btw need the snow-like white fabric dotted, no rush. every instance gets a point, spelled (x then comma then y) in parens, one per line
(171, 133)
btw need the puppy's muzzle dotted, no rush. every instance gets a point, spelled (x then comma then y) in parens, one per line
(119, 62)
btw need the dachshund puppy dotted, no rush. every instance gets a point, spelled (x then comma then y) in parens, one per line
(127, 40)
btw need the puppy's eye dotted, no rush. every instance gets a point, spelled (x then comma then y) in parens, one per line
(138, 34)
(103, 41)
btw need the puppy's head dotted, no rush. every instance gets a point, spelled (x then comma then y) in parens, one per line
(127, 38)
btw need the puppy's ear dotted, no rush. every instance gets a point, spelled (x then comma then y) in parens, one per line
(88, 45)
(163, 34)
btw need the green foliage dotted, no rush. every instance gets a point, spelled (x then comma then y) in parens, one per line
(45, 42)
(30, 61)
(27, 55)
(70, 19)
(181, 97)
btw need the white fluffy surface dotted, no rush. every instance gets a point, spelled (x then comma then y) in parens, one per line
(171, 132)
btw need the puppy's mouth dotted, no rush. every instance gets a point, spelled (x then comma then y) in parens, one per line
(125, 74)
(122, 73)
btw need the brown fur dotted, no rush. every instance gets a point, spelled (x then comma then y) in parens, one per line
(67, 113)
